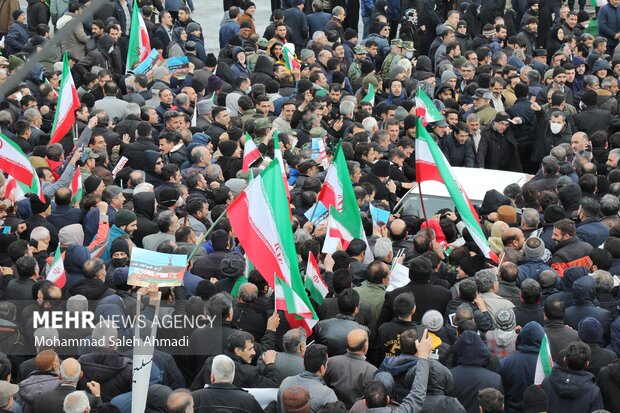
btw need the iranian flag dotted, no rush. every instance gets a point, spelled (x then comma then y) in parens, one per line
(15, 190)
(337, 191)
(297, 311)
(370, 96)
(15, 163)
(426, 109)
(544, 363)
(260, 218)
(432, 165)
(337, 233)
(277, 153)
(68, 103)
(56, 272)
(314, 282)
(292, 63)
(76, 186)
(139, 44)
(250, 153)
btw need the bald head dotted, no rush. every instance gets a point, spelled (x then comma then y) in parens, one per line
(398, 228)
(180, 401)
(70, 371)
(248, 293)
(513, 237)
(357, 341)
(62, 196)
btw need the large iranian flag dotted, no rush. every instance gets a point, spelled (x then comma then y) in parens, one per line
(261, 220)
(337, 190)
(426, 109)
(292, 63)
(56, 272)
(432, 165)
(68, 103)
(14, 162)
(277, 153)
(139, 44)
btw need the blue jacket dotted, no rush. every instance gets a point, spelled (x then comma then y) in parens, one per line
(592, 231)
(367, 6)
(16, 38)
(609, 23)
(75, 257)
(393, 10)
(115, 232)
(517, 370)
(572, 391)
(228, 30)
(175, 5)
(571, 275)
(531, 269)
(317, 22)
(120, 14)
(584, 292)
(383, 44)
(63, 215)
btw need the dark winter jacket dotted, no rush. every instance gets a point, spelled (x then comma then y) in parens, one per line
(471, 357)
(398, 367)
(110, 369)
(144, 208)
(584, 292)
(572, 391)
(497, 151)
(517, 370)
(592, 231)
(608, 381)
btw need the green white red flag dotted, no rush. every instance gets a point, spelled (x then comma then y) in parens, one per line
(314, 281)
(292, 63)
(544, 363)
(277, 153)
(337, 190)
(139, 45)
(370, 96)
(76, 186)
(15, 190)
(426, 109)
(56, 272)
(68, 103)
(338, 235)
(250, 153)
(260, 218)
(14, 162)
(432, 165)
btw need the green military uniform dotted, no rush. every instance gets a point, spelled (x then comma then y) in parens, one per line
(485, 113)
(355, 70)
(391, 59)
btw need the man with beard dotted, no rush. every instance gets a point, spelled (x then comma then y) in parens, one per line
(529, 34)
(559, 83)
(126, 223)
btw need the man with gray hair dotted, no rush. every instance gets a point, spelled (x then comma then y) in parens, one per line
(105, 361)
(76, 402)
(613, 157)
(488, 284)
(550, 175)
(604, 284)
(245, 315)
(530, 219)
(610, 205)
(291, 361)
(222, 393)
(36, 120)
(69, 375)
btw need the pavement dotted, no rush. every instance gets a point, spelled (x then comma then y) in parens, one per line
(209, 14)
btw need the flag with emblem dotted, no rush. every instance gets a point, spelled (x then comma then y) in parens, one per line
(56, 272)
(314, 281)
(68, 102)
(14, 162)
(139, 45)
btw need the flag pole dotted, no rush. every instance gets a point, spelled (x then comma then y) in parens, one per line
(206, 234)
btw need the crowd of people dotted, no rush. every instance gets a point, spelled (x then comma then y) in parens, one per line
(527, 87)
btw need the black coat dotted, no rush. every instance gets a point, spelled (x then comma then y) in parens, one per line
(246, 375)
(36, 13)
(609, 382)
(570, 390)
(52, 401)
(592, 119)
(226, 396)
(491, 148)
(110, 369)
(135, 152)
(457, 154)
(382, 192)
(428, 297)
(559, 337)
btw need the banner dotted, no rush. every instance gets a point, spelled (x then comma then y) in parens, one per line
(165, 270)
(153, 60)
(178, 66)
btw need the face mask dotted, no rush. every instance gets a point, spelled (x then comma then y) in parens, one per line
(18, 96)
(555, 128)
(409, 55)
(581, 105)
(248, 90)
(111, 49)
(180, 202)
(120, 262)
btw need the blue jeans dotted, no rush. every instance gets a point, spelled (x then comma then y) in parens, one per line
(366, 21)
